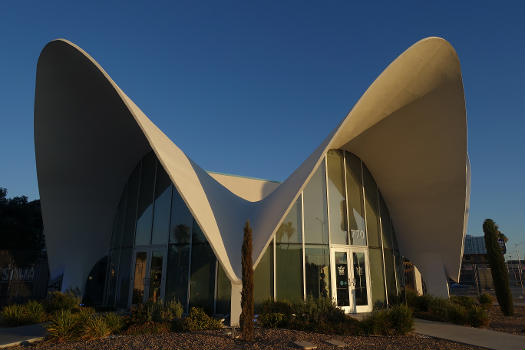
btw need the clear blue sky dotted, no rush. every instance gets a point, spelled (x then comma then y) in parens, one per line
(251, 78)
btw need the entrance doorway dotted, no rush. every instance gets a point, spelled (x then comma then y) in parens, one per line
(351, 279)
(149, 275)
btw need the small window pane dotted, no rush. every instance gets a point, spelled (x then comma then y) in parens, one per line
(317, 268)
(224, 290)
(161, 216)
(336, 195)
(289, 271)
(376, 277)
(372, 209)
(354, 189)
(145, 205)
(263, 277)
(290, 229)
(314, 199)
(177, 277)
(181, 220)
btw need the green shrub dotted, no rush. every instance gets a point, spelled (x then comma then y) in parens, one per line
(18, 315)
(62, 326)
(114, 322)
(397, 320)
(149, 327)
(93, 327)
(485, 300)
(477, 316)
(438, 308)
(36, 312)
(457, 313)
(61, 301)
(272, 320)
(269, 306)
(466, 302)
(401, 318)
(196, 320)
(166, 312)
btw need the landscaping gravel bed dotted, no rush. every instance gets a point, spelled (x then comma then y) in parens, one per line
(265, 339)
(509, 324)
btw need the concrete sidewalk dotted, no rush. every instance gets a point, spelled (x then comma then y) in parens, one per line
(15, 335)
(469, 335)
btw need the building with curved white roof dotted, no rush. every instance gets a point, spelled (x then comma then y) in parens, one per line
(392, 180)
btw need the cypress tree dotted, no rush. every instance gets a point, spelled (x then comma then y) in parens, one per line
(499, 273)
(246, 319)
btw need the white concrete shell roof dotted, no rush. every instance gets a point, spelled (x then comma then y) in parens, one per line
(409, 128)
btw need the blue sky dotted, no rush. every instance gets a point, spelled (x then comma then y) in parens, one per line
(252, 78)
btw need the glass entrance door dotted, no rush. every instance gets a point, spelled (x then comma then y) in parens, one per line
(350, 279)
(148, 279)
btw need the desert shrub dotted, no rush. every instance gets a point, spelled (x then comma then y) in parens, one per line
(464, 301)
(485, 300)
(114, 322)
(272, 320)
(457, 313)
(438, 308)
(269, 306)
(477, 316)
(149, 327)
(61, 301)
(17, 315)
(62, 326)
(166, 312)
(93, 327)
(196, 320)
(35, 311)
(397, 320)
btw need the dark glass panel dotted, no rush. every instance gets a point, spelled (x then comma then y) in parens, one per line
(161, 215)
(336, 195)
(317, 269)
(290, 229)
(263, 277)
(386, 224)
(112, 276)
(202, 280)
(390, 274)
(119, 222)
(155, 275)
(131, 208)
(341, 278)
(124, 277)
(145, 203)
(224, 291)
(360, 287)
(372, 209)
(289, 272)
(139, 277)
(181, 220)
(354, 191)
(315, 213)
(177, 275)
(376, 277)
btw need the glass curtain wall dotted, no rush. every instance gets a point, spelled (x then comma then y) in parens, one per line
(151, 213)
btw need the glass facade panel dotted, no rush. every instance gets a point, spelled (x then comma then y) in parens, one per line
(315, 212)
(336, 195)
(341, 278)
(145, 204)
(181, 220)
(361, 290)
(317, 271)
(161, 215)
(390, 274)
(112, 276)
(177, 275)
(386, 224)
(155, 275)
(202, 280)
(263, 278)
(289, 272)
(224, 291)
(124, 277)
(354, 193)
(118, 224)
(290, 230)
(139, 277)
(372, 209)
(131, 208)
(377, 280)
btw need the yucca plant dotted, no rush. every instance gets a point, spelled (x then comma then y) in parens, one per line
(114, 322)
(62, 326)
(94, 327)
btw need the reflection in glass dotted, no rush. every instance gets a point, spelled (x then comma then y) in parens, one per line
(139, 278)
(354, 191)
(360, 288)
(223, 294)
(336, 195)
(314, 201)
(118, 223)
(181, 220)
(290, 229)
(177, 276)
(372, 209)
(341, 278)
(112, 275)
(145, 204)
(124, 277)
(317, 270)
(202, 280)
(155, 275)
(376, 277)
(390, 274)
(161, 215)
(263, 277)
(289, 272)
(386, 224)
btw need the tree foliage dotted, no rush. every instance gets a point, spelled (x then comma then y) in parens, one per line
(246, 320)
(497, 266)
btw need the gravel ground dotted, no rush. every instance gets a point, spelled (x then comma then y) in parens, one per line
(265, 339)
(509, 324)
